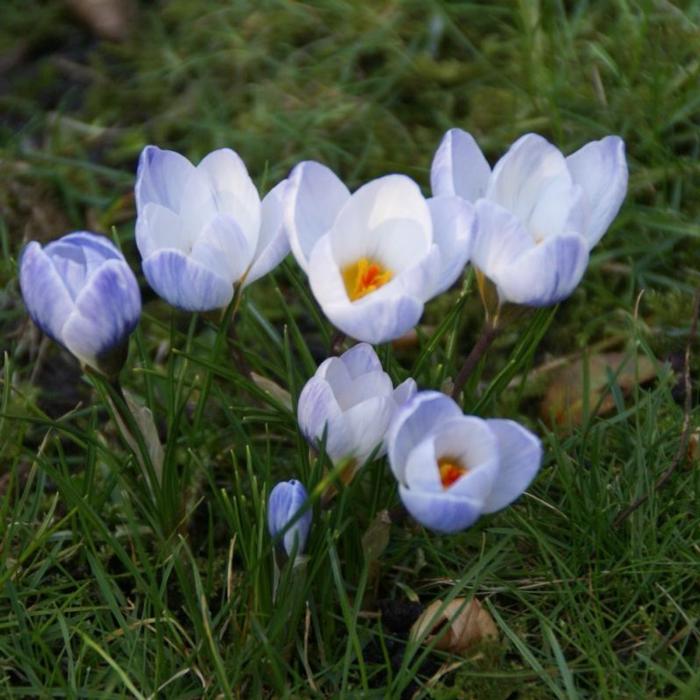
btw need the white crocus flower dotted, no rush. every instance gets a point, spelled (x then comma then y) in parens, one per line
(351, 401)
(453, 468)
(375, 257)
(202, 229)
(538, 213)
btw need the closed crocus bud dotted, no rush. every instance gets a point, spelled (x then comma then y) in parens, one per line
(375, 257)
(202, 229)
(80, 291)
(287, 498)
(351, 401)
(452, 468)
(538, 213)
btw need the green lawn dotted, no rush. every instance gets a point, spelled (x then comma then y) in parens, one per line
(108, 593)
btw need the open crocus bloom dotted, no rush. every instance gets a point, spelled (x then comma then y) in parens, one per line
(538, 213)
(82, 293)
(286, 500)
(452, 468)
(374, 257)
(351, 401)
(202, 229)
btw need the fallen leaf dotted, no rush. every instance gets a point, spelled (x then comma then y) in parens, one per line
(565, 399)
(376, 538)
(272, 388)
(458, 628)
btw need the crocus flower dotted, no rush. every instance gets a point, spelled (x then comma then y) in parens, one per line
(351, 401)
(80, 291)
(452, 468)
(202, 229)
(538, 213)
(376, 256)
(286, 499)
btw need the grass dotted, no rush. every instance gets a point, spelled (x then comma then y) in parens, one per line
(106, 592)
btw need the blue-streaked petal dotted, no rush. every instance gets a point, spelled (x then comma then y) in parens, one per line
(46, 297)
(222, 248)
(273, 242)
(361, 359)
(440, 512)
(106, 312)
(520, 459)
(316, 406)
(287, 499)
(405, 391)
(546, 274)
(600, 168)
(313, 198)
(158, 227)
(161, 177)
(459, 167)
(412, 422)
(185, 283)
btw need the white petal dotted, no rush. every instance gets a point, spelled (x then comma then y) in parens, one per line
(414, 420)
(360, 388)
(367, 422)
(316, 406)
(454, 223)
(312, 200)
(106, 312)
(185, 283)
(520, 460)
(161, 178)
(387, 220)
(405, 391)
(46, 297)
(499, 240)
(532, 181)
(467, 439)
(422, 472)
(600, 168)
(273, 243)
(459, 167)
(361, 359)
(158, 227)
(234, 191)
(546, 274)
(441, 512)
(223, 249)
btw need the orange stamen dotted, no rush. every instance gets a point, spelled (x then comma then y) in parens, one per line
(363, 277)
(450, 470)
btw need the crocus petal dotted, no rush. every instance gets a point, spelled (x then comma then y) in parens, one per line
(387, 220)
(184, 283)
(234, 191)
(46, 297)
(273, 243)
(316, 406)
(405, 391)
(441, 512)
(366, 424)
(411, 423)
(158, 227)
(372, 383)
(520, 459)
(106, 311)
(161, 178)
(312, 200)
(600, 168)
(223, 249)
(500, 239)
(361, 359)
(453, 233)
(546, 274)
(531, 180)
(286, 500)
(459, 167)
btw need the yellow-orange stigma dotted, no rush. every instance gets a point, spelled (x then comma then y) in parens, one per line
(363, 277)
(450, 471)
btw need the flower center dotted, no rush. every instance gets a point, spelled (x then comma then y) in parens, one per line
(364, 277)
(451, 469)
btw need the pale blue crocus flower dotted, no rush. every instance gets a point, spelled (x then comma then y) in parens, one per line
(453, 468)
(376, 256)
(202, 229)
(538, 212)
(286, 500)
(350, 402)
(81, 292)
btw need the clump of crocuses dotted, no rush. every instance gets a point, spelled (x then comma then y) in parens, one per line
(81, 292)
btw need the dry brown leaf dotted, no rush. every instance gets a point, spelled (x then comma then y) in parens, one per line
(376, 537)
(458, 628)
(108, 19)
(564, 400)
(272, 388)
